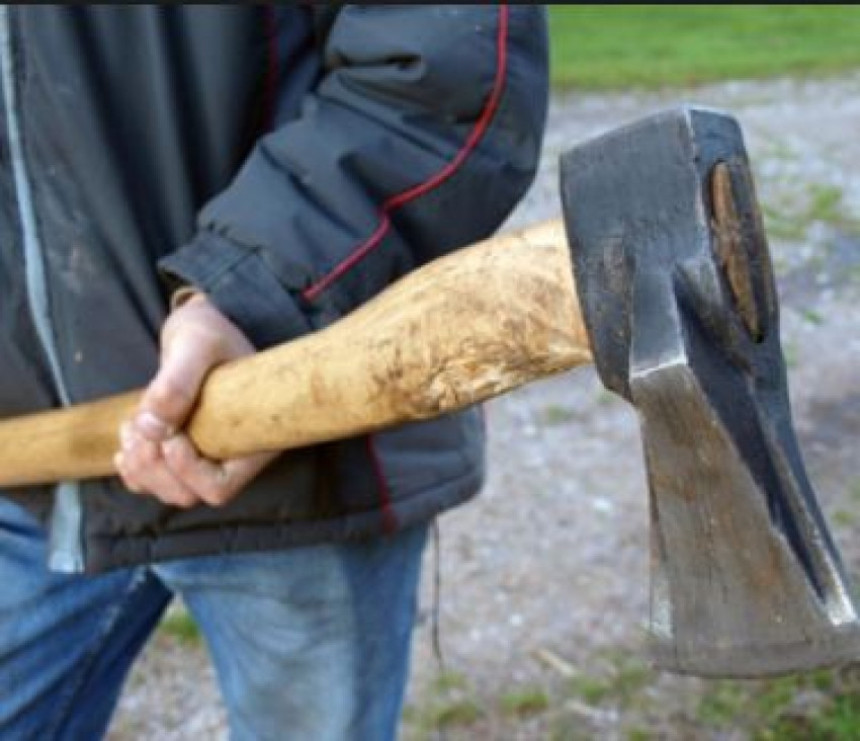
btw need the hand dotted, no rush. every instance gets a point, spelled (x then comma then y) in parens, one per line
(155, 456)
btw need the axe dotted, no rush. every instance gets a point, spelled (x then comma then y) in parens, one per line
(664, 281)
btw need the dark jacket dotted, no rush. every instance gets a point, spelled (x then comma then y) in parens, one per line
(291, 161)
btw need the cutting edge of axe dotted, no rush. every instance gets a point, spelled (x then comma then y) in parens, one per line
(673, 298)
(678, 294)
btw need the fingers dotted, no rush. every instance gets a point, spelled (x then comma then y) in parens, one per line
(140, 463)
(176, 474)
(155, 458)
(195, 339)
(170, 397)
(214, 483)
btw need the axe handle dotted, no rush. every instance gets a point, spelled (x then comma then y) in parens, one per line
(457, 331)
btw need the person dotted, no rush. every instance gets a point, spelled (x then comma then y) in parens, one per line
(252, 173)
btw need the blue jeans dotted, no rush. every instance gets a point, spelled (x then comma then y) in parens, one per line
(311, 643)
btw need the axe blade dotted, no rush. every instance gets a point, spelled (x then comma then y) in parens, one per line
(678, 296)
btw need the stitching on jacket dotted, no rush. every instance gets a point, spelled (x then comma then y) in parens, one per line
(400, 199)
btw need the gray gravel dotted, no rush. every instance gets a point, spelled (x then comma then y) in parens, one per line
(547, 572)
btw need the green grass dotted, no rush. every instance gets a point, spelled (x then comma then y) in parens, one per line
(450, 681)
(791, 352)
(821, 706)
(839, 721)
(797, 210)
(651, 46)
(844, 517)
(812, 316)
(621, 684)
(524, 702)
(556, 414)
(593, 690)
(178, 624)
(455, 713)
(449, 703)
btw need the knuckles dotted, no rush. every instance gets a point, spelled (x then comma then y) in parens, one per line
(140, 457)
(170, 397)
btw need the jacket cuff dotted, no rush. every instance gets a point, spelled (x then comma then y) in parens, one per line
(183, 294)
(239, 282)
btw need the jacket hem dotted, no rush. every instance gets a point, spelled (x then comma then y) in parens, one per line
(111, 552)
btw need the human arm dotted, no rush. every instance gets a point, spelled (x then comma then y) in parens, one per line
(421, 135)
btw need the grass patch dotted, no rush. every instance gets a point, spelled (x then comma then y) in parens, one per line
(639, 734)
(791, 352)
(556, 414)
(817, 706)
(840, 720)
(652, 46)
(825, 203)
(822, 705)
(812, 316)
(450, 703)
(524, 702)
(449, 682)
(455, 713)
(605, 398)
(779, 223)
(722, 704)
(621, 685)
(179, 625)
(591, 689)
(844, 518)
(819, 203)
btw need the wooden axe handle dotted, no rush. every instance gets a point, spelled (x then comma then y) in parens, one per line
(457, 331)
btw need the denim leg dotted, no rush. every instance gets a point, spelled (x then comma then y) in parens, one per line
(66, 641)
(310, 643)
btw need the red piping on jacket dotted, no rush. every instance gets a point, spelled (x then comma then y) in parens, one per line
(389, 519)
(400, 199)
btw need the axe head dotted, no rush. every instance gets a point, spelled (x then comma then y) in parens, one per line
(677, 291)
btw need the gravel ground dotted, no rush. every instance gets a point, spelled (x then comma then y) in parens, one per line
(546, 574)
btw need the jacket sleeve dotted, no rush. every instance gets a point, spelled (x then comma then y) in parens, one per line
(421, 135)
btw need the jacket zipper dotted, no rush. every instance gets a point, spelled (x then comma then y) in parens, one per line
(65, 542)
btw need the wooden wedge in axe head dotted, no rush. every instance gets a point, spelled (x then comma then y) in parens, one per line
(673, 298)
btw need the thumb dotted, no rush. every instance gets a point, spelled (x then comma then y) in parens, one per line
(168, 400)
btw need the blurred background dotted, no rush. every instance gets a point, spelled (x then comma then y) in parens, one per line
(544, 579)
